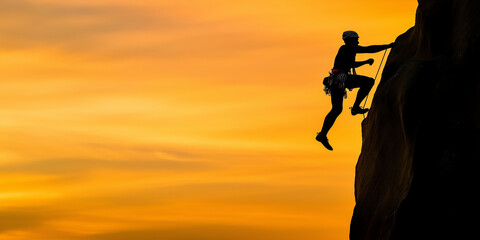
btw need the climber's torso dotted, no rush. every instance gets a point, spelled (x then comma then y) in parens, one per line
(345, 58)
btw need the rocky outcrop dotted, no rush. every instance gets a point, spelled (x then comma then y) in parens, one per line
(418, 174)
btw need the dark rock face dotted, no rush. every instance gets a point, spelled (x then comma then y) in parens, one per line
(418, 175)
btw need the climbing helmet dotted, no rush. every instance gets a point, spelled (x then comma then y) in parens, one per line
(349, 34)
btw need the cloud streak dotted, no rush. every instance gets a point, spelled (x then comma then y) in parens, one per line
(70, 166)
(71, 27)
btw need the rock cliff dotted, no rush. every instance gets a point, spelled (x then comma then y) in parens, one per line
(418, 174)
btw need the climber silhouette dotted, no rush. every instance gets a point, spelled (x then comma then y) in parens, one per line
(340, 79)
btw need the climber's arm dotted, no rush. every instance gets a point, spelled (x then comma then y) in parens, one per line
(361, 63)
(374, 48)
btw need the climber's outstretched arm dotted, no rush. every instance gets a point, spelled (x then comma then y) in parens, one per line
(374, 48)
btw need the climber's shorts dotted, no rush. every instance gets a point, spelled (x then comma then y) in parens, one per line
(339, 81)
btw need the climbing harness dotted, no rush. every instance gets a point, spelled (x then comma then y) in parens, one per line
(375, 79)
(335, 82)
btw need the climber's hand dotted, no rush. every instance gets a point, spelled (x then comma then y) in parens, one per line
(370, 61)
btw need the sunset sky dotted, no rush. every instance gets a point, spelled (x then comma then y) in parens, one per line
(181, 119)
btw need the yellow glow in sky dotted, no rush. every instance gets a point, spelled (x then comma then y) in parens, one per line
(187, 119)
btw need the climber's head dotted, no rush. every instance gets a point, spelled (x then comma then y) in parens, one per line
(350, 37)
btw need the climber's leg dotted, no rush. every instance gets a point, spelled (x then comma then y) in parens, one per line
(365, 84)
(337, 107)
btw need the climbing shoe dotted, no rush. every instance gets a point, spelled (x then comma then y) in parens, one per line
(358, 110)
(323, 139)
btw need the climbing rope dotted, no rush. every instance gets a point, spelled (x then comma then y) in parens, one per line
(375, 78)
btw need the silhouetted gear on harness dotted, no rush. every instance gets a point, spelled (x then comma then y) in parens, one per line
(335, 82)
(335, 86)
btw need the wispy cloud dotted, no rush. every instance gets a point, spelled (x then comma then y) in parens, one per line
(74, 27)
(72, 166)
(24, 217)
(211, 232)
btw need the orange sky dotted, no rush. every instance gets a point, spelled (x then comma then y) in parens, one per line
(186, 119)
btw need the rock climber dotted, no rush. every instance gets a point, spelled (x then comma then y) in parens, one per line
(341, 79)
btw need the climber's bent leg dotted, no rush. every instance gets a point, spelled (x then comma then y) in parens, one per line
(364, 83)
